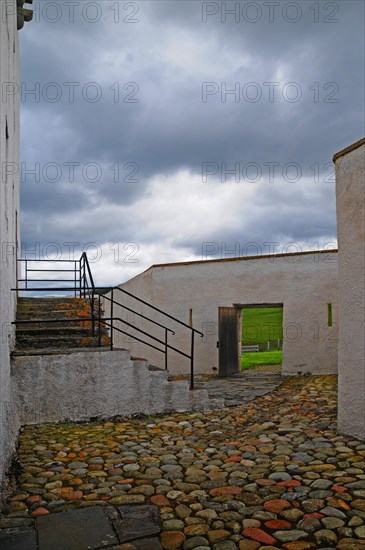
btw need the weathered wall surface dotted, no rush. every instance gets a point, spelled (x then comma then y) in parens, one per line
(9, 200)
(83, 385)
(350, 190)
(303, 283)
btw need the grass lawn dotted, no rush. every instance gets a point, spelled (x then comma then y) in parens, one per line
(261, 324)
(249, 360)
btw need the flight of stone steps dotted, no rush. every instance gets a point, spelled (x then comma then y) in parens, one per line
(59, 335)
(62, 365)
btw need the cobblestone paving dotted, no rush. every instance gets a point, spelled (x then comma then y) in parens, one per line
(243, 387)
(271, 473)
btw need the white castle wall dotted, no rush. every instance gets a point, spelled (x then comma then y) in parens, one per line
(9, 206)
(83, 385)
(350, 188)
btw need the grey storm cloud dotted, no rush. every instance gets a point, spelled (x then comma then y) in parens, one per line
(163, 61)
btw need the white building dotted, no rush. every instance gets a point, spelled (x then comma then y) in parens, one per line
(350, 191)
(213, 293)
(12, 17)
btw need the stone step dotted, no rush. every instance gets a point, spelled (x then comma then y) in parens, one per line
(52, 302)
(63, 314)
(61, 307)
(53, 342)
(32, 299)
(85, 312)
(66, 333)
(154, 368)
(56, 303)
(56, 351)
(41, 302)
(59, 326)
(57, 320)
(26, 331)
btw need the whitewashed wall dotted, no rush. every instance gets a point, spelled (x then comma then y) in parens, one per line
(303, 283)
(81, 385)
(9, 201)
(350, 190)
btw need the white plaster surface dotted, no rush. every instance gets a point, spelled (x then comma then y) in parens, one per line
(82, 385)
(9, 201)
(303, 283)
(350, 190)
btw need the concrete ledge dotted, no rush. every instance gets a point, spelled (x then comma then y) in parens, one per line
(82, 386)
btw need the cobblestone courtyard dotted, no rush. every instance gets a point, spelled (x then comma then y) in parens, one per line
(270, 473)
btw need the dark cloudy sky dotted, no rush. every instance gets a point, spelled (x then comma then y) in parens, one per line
(132, 130)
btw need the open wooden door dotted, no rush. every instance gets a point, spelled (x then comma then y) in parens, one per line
(228, 344)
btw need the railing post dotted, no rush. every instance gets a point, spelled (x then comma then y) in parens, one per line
(192, 361)
(26, 274)
(80, 278)
(84, 277)
(99, 322)
(111, 319)
(75, 277)
(166, 348)
(92, 314)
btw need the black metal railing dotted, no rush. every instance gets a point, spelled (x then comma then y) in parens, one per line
(112, 321)
(80, 280)
(81, 284)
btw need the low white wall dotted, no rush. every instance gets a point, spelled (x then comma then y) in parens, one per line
(303, 283)
(350, 190)
(9, 201)
(83, 385)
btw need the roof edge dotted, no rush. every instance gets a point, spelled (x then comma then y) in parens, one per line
(349, 148)
(244, 258)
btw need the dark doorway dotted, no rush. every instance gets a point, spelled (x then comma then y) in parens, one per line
(267, 342)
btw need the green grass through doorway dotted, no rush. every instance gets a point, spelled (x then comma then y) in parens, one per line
(249, 360)
(260, 325)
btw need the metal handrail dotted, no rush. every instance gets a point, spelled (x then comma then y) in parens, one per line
(45, 289)
(157, 309)
(192, 329)
(105, 319)
(84, 287)
(27, 280)
(44, 280)
(139, 314)
(86, 264)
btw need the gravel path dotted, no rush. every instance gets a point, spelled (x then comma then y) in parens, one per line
(272, 473)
